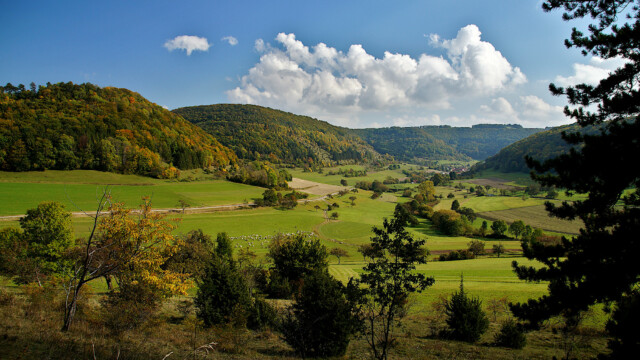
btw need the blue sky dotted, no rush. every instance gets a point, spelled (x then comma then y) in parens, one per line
(352, 63)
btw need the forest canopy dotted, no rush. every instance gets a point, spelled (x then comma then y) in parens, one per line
(67, 126)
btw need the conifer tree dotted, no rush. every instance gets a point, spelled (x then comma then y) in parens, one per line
(600, 264)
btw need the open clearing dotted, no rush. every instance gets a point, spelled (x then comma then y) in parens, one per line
(494, 182)
(314, 188)
(535, 216)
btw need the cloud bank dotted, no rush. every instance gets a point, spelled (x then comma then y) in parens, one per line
(322, 79)
(188, 43)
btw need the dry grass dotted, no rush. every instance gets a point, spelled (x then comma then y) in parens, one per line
(314, 188)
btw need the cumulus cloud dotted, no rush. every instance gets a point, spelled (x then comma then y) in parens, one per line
(320, 78)
(231, 40)
(591, 73)
(529, 111)
(188, 43)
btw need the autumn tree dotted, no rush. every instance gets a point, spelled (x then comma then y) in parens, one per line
(132, 247)
(584, 271)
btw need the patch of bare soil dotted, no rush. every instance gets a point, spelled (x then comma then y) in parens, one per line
(314, 188)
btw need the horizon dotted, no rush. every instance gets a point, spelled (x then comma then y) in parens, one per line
(357, 65)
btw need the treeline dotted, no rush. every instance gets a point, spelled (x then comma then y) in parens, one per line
(259, 133)
(67, 126)
(443, 142)
(541, 146)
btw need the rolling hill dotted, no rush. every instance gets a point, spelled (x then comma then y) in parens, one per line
(444, 142)
(66, 126)
(541, 146)
(256, 132)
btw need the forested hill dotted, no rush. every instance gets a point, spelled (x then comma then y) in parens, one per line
(68, 126)
(541, 146)
(444, 142)
(256, 132)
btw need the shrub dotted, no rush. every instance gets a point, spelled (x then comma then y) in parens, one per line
(322, 320)
(511, 335)
(476, 247)
(457, 255)
(261, 315)
(465, 318)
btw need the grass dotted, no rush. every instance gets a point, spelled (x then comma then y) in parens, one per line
(17, 197)
(536, 216)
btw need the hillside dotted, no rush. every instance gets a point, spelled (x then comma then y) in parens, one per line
(444, 142)
(256, 132)
(541, 146)
(66, 126)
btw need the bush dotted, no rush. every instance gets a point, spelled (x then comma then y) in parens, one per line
(465, 318)
(322, 320)
(222, 291)
(476, 247)
(457, 255)
(261, 315)
(511, 335)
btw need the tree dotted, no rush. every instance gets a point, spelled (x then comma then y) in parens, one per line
(323, 318)
(389, 280)
(132, 249)
(334, 215)
(427, 190)
(222, 291)
(517, 228)
(476, 247)
(455, 205)
(295, 256)
(183, 204)
(193, 256)
(499, 227)
(581, 271)
(48, 232)
(339, 252)
(465, 318)
(369, 251)
(343, 182)
(498, 249)
(353, 200)
(483, 228)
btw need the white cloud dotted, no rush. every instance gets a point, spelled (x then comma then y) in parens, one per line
(405, 120)
(528, 111)
(188, 43)
(321, 79)
(591, 73)
(231, 40)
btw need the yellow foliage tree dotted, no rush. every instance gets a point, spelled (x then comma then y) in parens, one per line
(130, 245)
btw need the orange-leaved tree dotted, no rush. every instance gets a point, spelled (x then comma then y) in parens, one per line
(130, 245)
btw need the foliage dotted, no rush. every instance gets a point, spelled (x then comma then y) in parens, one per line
(451, 223)
(499, 227)
(455, 205)
(131, 248)
(465, 318)
(443, 142)
(511, 335)
(389, 280)
(517, 228)
(623, 327)
(476, 247)
(66, 126)
(259, 133)
(323, 319)
(48, 232)
(260, 173)
(222, 292)
(339, 253)
(295, 256)
(464, 254)
(594, 267)
(498, 249)
(193, 256)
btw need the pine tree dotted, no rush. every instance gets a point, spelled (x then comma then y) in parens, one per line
(600, 264)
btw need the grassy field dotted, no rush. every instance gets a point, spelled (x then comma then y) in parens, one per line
(84, 187)
(536, 216)
(335, 179)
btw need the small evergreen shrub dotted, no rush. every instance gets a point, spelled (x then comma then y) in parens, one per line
(511, 335)
(465, 318)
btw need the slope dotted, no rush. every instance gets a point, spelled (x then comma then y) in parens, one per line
(66, 126)
(444, 142)
(256, 132)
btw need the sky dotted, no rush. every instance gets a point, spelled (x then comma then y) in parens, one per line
(352, 63)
